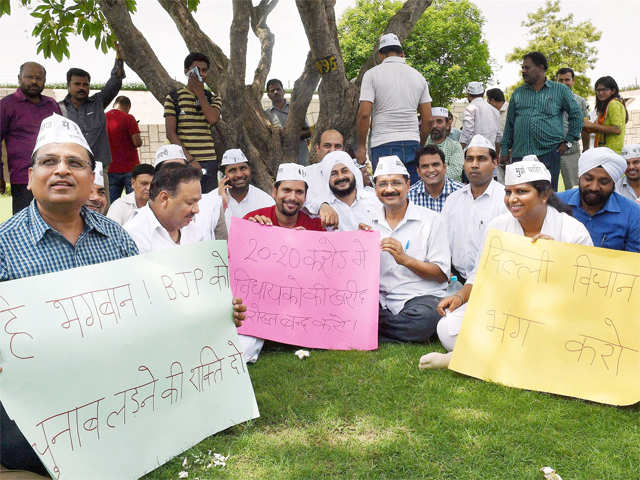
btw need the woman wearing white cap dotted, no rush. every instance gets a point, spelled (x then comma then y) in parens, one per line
(534, 212)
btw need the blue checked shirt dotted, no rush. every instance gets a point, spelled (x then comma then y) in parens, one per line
(29, 246)
(419, 196)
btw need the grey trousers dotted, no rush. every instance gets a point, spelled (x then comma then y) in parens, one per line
(416, 322)
(569, 168)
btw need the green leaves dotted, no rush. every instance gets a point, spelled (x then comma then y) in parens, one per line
(447, 45)
(5, 7)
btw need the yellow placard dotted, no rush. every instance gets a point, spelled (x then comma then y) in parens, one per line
(554, 317)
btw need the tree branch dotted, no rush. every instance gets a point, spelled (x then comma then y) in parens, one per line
(259, 15)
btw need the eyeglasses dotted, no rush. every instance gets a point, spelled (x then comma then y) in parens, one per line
(393, 183)
(53, 162)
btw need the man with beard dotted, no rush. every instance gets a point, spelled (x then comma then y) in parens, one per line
(123, 208)
(534, 123)
(453, 156)
(166, 221)
(434, 187)
(612, 220)
(347, 196)
(290, 193)
(468, 211)
(97, 200)
(238, 196)
(21, 114)
(629, 185)
(415, 258)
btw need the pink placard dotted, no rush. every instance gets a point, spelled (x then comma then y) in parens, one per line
(312, 289)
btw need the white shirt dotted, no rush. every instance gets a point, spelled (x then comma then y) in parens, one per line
(396, 90)
(421, 234)
(626, 190)
(209, 215)
(123, 208)
(480, 118)
(149, 235)
(364, 209)
(253, 200)
(560, 226)
(467, 219)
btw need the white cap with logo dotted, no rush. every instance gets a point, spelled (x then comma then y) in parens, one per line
(439, 112)
(391, 165)
(169, 152)
(291, 171)
(631, 151)
(99, 175)
(58, 129)
(389, 40)
(529, 169)
(233, 156)
(475, 88)
(480, 141)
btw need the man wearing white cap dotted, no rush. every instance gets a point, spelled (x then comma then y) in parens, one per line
(613, 221)
(453, 156)
(97, 200)
(235, 189)
(415, 259)
(629, 184)
(390, 95)
(468, 211)
(290, 193)
(55, 232)
(535, 212)
(479, 118)
(124, 207)
(167, 154)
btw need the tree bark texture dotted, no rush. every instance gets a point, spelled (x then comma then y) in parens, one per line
(243, 123)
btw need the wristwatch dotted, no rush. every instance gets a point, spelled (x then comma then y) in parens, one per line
(568, 144)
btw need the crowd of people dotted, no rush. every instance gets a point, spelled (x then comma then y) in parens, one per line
(433, 192)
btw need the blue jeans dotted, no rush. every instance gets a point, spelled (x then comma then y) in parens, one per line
(118, 181)
(406, 150)
(552, 161)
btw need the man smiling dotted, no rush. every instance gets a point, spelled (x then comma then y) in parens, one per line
(434, 187)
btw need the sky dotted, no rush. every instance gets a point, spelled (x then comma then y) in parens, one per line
(617, 55)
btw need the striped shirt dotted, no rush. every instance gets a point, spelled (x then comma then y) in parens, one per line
(192, 127)
(30, 246)
(419, 195)
(535, 120)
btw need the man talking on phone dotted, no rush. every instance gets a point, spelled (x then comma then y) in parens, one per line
(189, 114)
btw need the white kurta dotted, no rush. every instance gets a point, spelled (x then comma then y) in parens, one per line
(209, 216)
(422, 236)
(626, 190)
(363, 210)
(467, 220)
(123, 208)
(254, 200)
(150, 235)
(480, 118)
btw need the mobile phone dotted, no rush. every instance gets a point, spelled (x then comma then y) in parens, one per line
(195, 71)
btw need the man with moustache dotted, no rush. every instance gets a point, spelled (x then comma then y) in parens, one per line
(97, 200)
(629, 185)
(123, 208)
(21, 114)
(290, 193)
(612, 220)
(415, 258)
(452, 150)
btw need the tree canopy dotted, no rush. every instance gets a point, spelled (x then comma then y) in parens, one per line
(564, 42)
(446, 45)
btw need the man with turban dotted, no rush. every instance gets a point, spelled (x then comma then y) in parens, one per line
(613, 221)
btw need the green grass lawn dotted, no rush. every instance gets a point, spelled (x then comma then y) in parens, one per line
(374, 415)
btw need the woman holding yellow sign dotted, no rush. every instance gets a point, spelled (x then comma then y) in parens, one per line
(535, 212)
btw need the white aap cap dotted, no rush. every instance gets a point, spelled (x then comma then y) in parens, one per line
(58, 129)
(475, 88)
(480, 141)
(631, 151)
(439, 112)
(391, 165)
(603, 157)
(529, 169)
(98, 175)
(389, 40)
(291, 171)
(169, 152)
(233, 156)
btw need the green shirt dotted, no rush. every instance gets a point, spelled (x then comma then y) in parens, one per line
(534, 119)
(453, 157)
(616, 117)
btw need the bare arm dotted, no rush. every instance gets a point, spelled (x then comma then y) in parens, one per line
(425, 127)
(363, 120)
(136, 140)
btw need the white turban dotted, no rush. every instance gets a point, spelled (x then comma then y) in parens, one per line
(332, 158)
(603, 157)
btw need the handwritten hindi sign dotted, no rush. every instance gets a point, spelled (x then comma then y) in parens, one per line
(554, 317)
(312, 289)
(110, 370)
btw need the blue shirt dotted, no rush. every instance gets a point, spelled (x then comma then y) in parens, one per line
(419, 195)
(30, 246)
(615, 226)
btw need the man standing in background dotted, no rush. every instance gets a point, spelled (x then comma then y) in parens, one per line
(124, 140)
(479, 117)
